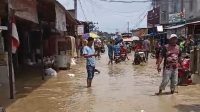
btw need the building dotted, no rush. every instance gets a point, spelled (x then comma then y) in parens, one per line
(140, 32)
(40, 34)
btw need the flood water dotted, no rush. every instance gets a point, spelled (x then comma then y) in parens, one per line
(118, 88)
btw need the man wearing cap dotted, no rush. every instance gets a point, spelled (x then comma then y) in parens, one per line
(172, 55)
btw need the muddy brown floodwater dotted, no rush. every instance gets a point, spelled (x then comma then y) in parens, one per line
(118, 88)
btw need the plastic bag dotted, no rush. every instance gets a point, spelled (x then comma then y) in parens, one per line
(73, 61)
(50, 72)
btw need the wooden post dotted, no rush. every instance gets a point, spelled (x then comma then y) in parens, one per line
(198, 60)
(42, 51)
(195, 59)
(10, 61)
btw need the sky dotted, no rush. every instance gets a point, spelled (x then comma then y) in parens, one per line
(111, 17)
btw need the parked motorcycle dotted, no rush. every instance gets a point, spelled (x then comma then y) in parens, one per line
(184, 75)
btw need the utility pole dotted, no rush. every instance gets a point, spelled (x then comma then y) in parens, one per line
(75, 8)
(128, 28)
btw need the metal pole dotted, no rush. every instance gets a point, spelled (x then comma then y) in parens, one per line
(75, 8)
(128, 28)
(42, 51)
(10, 61)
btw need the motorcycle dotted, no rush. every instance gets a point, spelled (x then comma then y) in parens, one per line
(117, 54)
(123, 56)
(117, 59)
(123, 53)
(139, 58)
(184, 76)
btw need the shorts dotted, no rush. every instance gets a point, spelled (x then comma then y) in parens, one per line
(90, 71)
(110, 56)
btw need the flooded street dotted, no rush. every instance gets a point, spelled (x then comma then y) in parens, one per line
(118, 88)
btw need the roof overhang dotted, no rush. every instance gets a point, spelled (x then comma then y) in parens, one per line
(175, 27)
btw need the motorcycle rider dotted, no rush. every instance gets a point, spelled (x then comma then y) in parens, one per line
(123, 50)
(137, 48)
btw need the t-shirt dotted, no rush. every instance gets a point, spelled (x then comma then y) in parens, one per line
(146, 45)
(157, 51)
(123, 50)
(171, 55)
(138, 47)
(89, 51)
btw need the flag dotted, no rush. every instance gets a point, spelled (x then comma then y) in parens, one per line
(15, 37)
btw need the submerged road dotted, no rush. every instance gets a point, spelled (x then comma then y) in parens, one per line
(118, 88)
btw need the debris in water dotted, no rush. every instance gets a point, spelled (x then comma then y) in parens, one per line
(50, 72)
(71, 75)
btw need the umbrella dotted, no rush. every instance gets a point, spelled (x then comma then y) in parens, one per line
(135, 38)
(93, 35)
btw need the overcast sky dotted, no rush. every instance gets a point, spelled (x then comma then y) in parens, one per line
(111, 16)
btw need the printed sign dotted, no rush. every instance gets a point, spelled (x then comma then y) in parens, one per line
(80, 29)
(174, 18)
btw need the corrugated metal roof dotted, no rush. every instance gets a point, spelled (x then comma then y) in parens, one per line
(195, 22)
(175, 27)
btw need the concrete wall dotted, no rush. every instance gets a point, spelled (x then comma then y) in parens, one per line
(196, 78)
(4, 77)
(192, 9)
(163, 4)
(164, 11)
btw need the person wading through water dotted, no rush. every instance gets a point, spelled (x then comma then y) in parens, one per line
(172, 56)
(89, 54)
(146, 44)
(110, 51)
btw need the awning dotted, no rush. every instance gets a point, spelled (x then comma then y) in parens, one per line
(175, 27)
(60, 17)
(28, 9)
